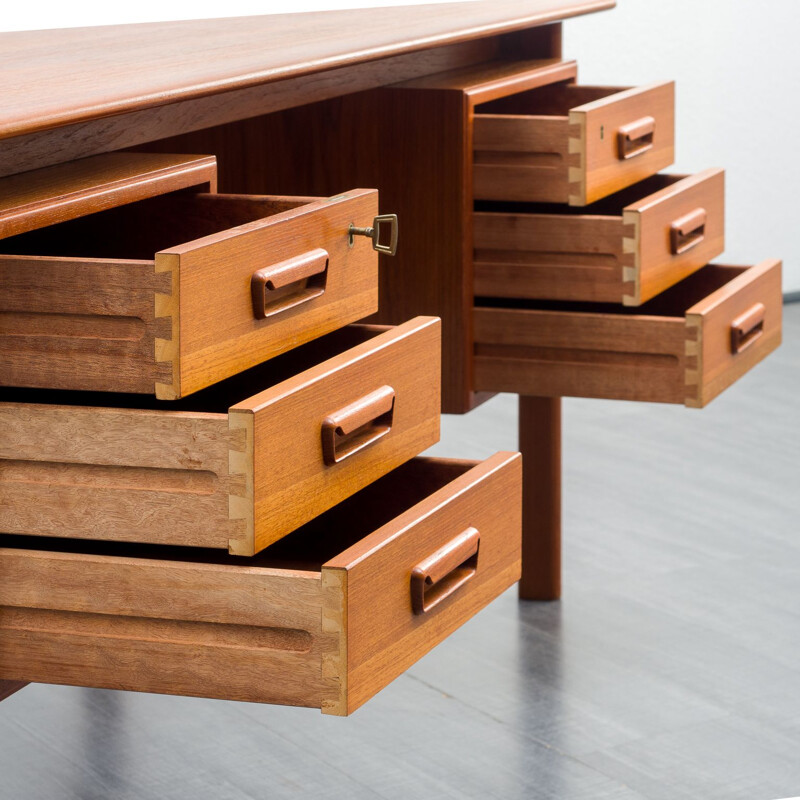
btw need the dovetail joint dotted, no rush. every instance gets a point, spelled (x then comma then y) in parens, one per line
(167, 350)
(693, 352)
(576, 160)
(241, 492)
(334, 651)
(631, 259)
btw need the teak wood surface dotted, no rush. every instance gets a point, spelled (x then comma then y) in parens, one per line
(57, 77)
(56, 194)
(226, 471)
(616, 251)
(88, 306)
(560, 144)
(674, 349)
(323, 632)
(398, 138)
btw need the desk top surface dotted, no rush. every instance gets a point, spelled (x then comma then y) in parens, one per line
(57, 77)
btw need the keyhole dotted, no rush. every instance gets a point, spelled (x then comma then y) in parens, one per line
(602, 131)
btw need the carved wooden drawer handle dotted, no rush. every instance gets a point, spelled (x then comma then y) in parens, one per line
(747, 328)
(442, 573)
(289, 283)
(636, 138)
(687, 231)
(358, 425)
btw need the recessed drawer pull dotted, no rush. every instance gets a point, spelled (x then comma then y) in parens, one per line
(352, 428)
(374, 233)
(289, 283)
(687, 231)
(747, 328)
(636, 138)
(442, 573)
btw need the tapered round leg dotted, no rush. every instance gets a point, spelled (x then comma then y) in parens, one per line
(540, 444)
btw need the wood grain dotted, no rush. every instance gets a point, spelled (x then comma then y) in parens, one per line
(48, 196)
(81, 139)
(618, 252)
(395, 139)
(656, 352)
(540, 445)
(219, 334)
(593, 139)
(118, 474)
(560, 354)
(236, 468)
(548, 256)
(84, 73)
(712, 365)
(655, 266)
(291, 484)
(545, 146)
(189, 622)
(174, 321)
(80, 323)
(384, 636)
(158, 625)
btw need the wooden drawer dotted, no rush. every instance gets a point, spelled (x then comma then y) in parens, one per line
(326, 618)
(624, 249)
(42, 197)
(684, 346)
(161, 296)
(236, 466)
(565, 143)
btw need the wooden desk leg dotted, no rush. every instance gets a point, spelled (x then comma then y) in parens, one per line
(540, 444)
(7, 688)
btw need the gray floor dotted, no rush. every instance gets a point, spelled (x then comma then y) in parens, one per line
(670, 670)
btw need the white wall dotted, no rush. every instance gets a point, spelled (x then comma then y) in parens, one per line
(736, 64)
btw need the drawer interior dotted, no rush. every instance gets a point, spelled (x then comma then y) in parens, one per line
(141, 229)
(673, 303)
(611, 206)
(552, 100)
(307, 548)
(219, 397)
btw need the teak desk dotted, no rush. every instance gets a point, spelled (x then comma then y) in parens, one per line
(472, 127)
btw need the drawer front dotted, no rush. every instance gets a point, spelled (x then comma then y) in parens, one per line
(325, 635)
(685, 346)
(672, 233)
(406, 587)
(212, 329)
(619, 140)
(731, 330)
(306, 444)
(279, 272)
(594, 150)
(627, 256)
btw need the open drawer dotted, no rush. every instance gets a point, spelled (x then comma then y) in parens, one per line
(170, 294)
(235, 466)
(626, 248)
(565, 143)
(684, 346)
(326, 618)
